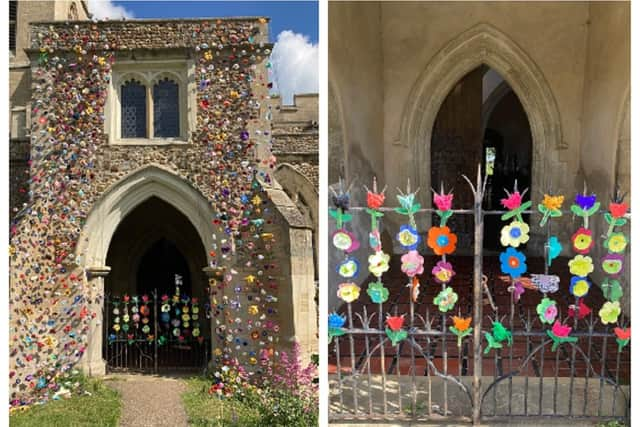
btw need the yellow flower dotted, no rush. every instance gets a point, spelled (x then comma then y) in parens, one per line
(616, 243)
(253, 310)
(552, 202)
(348, 292)
(581, 266)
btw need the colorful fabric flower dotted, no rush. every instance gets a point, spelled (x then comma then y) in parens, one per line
(554, 248)
(513, 200)
(375, 242)
(579, 286)
(443, 272)
(446, 299)
(394, 329)
(441, 240)
(377, 292)
(585, 202)
(348, 268)
(547, 310)
(348, 292)
(616, 243)
(611, 289)
(374, 200)
(546, 283)
(512, 262)
(336, 323)
(623, 337)
(615, 216)
(609, 312)
(582, 311)
(581, 265)
(498, 335)
(408, 237)
(514, 234)
(345, 241)
(443, 201)
(395, 323)
(612, 264)
(379, 263)
(461, 328)
(582, 241)
(618, 210)
(550, 207)
(559, 333)
(412, 263)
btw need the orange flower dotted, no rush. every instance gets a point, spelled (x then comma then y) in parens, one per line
(623, 334)
(442, 240)
(374, 201)
(461, 324)
(552, 202)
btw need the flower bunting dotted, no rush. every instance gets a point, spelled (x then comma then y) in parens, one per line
(379, 261)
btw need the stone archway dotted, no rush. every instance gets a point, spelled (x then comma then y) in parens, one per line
(108, 212)
(482, 44)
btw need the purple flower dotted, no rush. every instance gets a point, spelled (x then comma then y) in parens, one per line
(585, 202)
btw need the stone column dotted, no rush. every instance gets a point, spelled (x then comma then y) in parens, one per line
(92, 362)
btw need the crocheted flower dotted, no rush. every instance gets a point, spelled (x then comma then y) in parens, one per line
(395, 322)
(442, 240)
(412, 263)
(374, 200)
(582, 241)
(585, 202)
(581, 265)
(623, 337)
(618, 210)
(443, 272)
(461, 328)
(547, 310)
(394, 329)
(379, 263)
(550, 207)
(345, 241)
(446, 299)
(348, 292)
(579, 286)
(336, 323)
(514, 234)
(609, 312)
(408, 237)
(612, 264)
(512, 262)
(348, 268)
(611, 289)
(377, 292)
(443, 201)
(513, 200)
(546, 283)
(555, 248)
(582, 311)
(559, 333)
(616, 243)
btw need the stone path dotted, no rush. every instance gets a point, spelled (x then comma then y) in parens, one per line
(149, 400)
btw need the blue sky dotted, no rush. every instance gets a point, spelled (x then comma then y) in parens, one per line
(299, 17)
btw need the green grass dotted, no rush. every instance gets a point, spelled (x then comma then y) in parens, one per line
(101, 408)
(205, 410)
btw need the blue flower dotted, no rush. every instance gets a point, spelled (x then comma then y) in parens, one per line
(555, 248)
(336, 321)
(408, 237)
(585, 202)
(513, 262)
(348, 268)
(579, 286)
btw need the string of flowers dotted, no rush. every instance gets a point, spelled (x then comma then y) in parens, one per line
(612, 265)
(379, 261)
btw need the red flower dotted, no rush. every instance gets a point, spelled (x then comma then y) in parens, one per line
(395, 322)
(443, 201)
(513, 201)
(618, 210)
(623, 334)
(374, 201)
(583, 310)
(560, 330)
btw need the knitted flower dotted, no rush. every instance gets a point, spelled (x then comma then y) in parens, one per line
(345, 241)
(374, 200)
(550, 207)
(442, 240)
(379, 263)
(585, 202)
(348, 268)
(443, 272)
(513, 200)
(609, 312)
(512, 262)
(616, 243)
(514, 234)
(547, 310)
(618, 210)
(546, 283)
(461, 328)
(623, 337)
(611, 289)
(412, 263)
(579, 286)
(443, 202)
(348, 292)
(612, 264)
(377, 292)
(394, 329)
(559, 333)
(446, 299)
(582, 310)
(408, 237)
(581, 265)
(555, 249)
(336, 323)
(582, 241)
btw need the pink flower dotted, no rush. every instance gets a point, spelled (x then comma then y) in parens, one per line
(513, 201)
(443, 201)
(560, 330)
(412, 263)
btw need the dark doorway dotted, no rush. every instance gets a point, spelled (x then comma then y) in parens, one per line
(159, 267)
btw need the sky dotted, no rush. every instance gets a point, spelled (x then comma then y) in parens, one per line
(293, 30)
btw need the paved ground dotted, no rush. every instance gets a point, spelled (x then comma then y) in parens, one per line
(150, 400)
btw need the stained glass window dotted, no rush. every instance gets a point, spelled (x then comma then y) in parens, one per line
(166, 113)
(134, 110)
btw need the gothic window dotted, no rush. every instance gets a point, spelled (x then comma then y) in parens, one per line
(166, 111)
(134, 110)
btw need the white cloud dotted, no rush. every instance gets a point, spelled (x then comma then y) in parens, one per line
(294, 63)
(105, 9)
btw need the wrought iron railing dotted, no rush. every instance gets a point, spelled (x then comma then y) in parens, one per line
(433, 374)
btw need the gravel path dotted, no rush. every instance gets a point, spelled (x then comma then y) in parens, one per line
(149, 400)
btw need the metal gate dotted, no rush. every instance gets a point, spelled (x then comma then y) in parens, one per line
(497, 361)
(152, 334)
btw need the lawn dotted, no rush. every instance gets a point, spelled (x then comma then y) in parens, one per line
(100, 406)
(206, 410)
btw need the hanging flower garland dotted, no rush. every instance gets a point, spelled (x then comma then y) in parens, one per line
(581, 265)
(347, 242)
(443, 242)
(379, 261)
(615, 243)
(412, 262)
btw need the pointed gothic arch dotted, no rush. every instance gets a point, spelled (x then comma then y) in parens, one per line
(482, 44)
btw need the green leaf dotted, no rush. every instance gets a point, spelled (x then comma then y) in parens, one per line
(333, 213)
(608, 217)
(594, 208)
(621, 221)
(396, 336)
(542, 209)
(346, 217)
(415, 208)
(577, 210)
(555, 213)
(526, 205)
(505, 216)
(402, 211)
